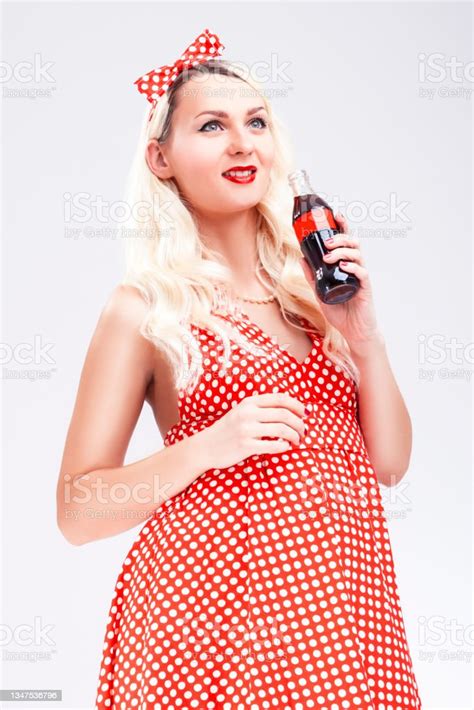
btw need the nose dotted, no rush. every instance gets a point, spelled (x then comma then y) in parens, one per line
(240, 141)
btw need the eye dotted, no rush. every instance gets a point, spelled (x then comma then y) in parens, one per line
(209, 123)
(264, 123)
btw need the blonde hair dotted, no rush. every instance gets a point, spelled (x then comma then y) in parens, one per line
(184, 282)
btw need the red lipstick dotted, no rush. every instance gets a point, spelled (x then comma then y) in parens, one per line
(241, 174)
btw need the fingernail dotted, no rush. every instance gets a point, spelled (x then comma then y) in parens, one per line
(329, 240)
(307, 410)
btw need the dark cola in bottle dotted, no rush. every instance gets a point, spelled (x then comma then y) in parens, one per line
(313, 222)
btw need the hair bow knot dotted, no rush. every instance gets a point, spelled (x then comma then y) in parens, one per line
(156, 82)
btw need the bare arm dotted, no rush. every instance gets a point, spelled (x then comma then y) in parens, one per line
(97, 496)
(383, 416)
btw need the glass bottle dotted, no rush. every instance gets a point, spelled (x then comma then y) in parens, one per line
(314, 222)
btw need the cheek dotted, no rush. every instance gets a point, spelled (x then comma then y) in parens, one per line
(268, 153)
(198, 175)
(199, 158)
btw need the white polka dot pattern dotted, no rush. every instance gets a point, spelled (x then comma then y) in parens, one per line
(156, 82)
(271, 583)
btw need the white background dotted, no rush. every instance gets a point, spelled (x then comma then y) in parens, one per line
(363, 130)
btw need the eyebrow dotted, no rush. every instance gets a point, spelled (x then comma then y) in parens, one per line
(223, 114)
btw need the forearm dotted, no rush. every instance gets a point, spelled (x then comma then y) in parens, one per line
(108, 501)
(383, 416)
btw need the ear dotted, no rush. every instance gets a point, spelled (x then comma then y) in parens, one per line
(156, 160)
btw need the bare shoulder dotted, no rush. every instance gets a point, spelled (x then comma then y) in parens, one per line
(125, 304)
(123, 315)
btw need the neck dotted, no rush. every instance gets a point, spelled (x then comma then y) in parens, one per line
(234, 236)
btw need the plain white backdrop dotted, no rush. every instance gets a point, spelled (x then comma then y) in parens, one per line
(380, 117)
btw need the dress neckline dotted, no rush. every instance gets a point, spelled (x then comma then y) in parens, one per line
(242, 316)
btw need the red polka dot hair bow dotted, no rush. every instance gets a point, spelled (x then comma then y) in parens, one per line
(155, 82)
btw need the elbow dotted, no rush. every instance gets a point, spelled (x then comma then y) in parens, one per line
(69, 536)
(391, 476)
(68, 520)
(72, 537)
(70, 531)
(391, 469)
(390, 479)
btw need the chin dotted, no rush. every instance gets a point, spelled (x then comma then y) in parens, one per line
(247, 204)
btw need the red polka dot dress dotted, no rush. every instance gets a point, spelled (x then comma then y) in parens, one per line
(270, 583)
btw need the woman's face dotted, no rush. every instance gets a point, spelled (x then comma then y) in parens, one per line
(201, 145)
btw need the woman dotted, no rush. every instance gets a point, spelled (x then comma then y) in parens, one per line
(263, 576)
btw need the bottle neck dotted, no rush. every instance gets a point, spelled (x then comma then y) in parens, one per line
(299, 183)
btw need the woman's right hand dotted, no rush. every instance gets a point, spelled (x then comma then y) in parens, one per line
(237, 434)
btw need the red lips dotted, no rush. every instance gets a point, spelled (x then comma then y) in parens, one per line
(241, 167)
(241, 179)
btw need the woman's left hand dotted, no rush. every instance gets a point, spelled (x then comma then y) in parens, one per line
(355, 319)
